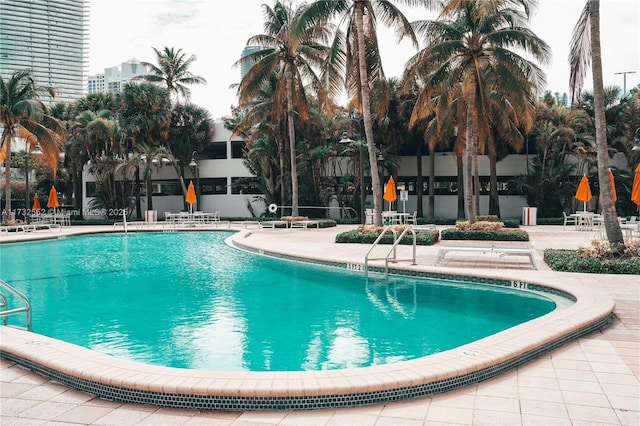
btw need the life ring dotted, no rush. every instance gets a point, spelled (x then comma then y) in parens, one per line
(273, 208)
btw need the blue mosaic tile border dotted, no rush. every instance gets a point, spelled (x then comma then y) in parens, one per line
(239, 403)
(420, 274)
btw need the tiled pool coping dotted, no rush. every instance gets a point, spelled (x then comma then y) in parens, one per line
(128, 381)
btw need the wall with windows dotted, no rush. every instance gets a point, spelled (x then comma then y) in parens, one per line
(222, 182)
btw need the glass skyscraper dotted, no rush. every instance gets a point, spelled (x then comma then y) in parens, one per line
(51, 38)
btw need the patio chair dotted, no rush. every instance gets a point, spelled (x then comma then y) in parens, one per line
(413, 219)
(568, 220)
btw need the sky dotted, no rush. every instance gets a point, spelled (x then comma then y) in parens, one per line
(216, 31)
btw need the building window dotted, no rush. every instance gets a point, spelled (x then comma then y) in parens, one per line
(165, 187)
(214, 151)
(213, 186)
(90, 189)
(237, 149)
(245, 185)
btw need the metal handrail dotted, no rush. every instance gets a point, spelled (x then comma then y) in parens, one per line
(5, 313)
(392, 250)
(375, 243)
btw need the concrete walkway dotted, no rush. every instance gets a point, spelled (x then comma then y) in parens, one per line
(594, 380)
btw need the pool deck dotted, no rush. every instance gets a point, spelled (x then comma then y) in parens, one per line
(592, 380)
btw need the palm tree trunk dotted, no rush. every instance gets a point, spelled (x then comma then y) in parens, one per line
(611, 224)
(7, 176)
(494, 200)
(281, 160)
(149, 184)
(476, 178)
(470, 211)
(432, 184)
(460, 182)
(366, 115)
(137, 190)
(419, 184)
(292, 143)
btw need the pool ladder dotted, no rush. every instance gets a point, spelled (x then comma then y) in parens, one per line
(392, 250)
(5, 312)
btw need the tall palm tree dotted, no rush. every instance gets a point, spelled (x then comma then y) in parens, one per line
(294, 52)
(469, 57)
(23, 114)
(356, 54)
(173, 72)
(585, 50)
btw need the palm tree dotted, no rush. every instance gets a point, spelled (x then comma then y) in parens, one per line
(294, 52)
(469, 58)
(356, 54)
(585, 48)
(145, 117)
(173, 72)
(23, 114)
(191, 129)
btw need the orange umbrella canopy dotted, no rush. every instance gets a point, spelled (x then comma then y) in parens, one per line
(191, 194)
(613, 186)
(584, 191)
(36, 203)
(390, 193)
(635, 189)
(53, 198)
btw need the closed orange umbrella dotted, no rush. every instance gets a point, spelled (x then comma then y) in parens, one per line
(635, 189)
(584, 191)
(613, 186)
(53, 198)
(191, 196)
(390, 193)
(36, 203)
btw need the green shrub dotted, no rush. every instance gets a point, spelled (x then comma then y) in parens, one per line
(571, 261)
(360, 236)
(501, 235)
(510, 223)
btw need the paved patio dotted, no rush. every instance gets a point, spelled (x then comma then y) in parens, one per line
(594, 380)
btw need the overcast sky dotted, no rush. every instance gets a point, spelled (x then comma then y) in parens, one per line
(217, 31)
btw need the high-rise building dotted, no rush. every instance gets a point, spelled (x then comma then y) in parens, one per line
(248, 50)
(49, 37)
(114, 78)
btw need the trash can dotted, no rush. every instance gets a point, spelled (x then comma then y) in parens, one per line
(529, 216)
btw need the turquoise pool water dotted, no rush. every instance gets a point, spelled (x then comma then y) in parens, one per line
(188, 300)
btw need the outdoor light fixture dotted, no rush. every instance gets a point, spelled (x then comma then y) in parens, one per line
(196, 174)
(636, 141)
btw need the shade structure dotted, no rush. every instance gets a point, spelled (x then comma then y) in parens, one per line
(53, 198)
(584, 191)
(635, 188)
(613, 186)
(390, 193)
(36, 203)
(191, 196)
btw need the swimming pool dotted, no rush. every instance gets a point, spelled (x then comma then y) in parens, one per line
(188, 300)
(132, 382)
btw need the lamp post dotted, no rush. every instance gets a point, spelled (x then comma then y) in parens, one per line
(37, 150)
(196, 173)
(346, 140)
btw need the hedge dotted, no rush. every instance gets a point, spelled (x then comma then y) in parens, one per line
(423, 238)
(564, 260)
(503, 235)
